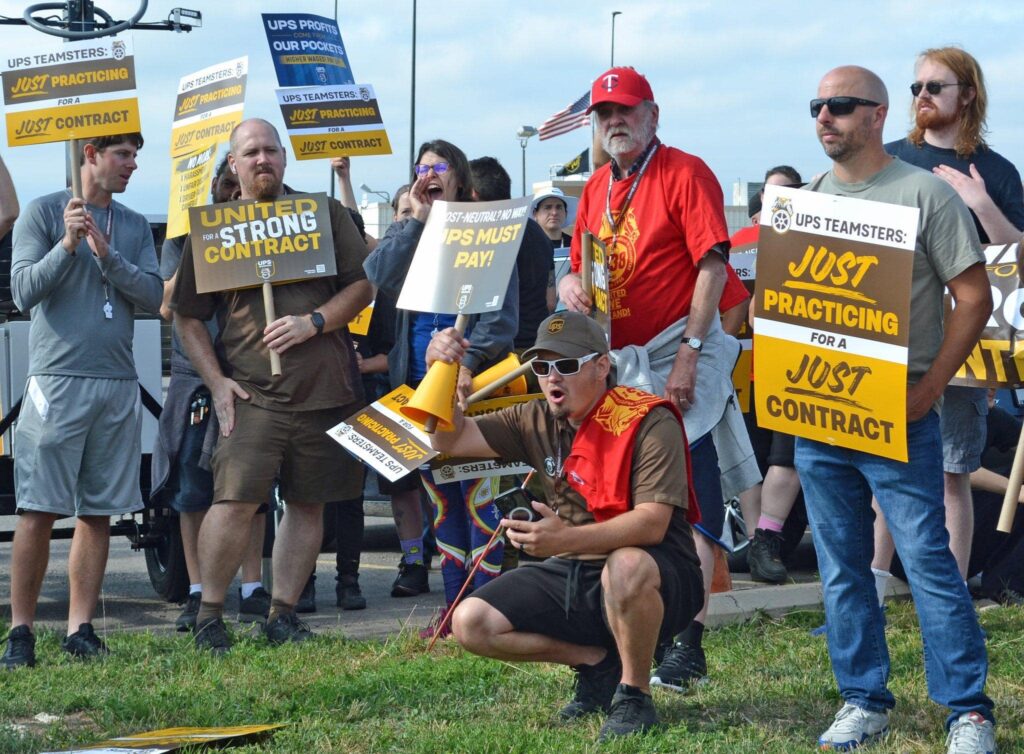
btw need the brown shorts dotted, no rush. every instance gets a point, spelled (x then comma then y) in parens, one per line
(288, 445)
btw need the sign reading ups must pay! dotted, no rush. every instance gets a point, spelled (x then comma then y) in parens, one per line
(248, 243)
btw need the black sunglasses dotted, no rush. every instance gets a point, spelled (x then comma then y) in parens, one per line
(565, 367)
(839, 105)
(933, 87)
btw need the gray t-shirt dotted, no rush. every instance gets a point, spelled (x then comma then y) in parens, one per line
(65, 293)
(170, 260)
(947, 244)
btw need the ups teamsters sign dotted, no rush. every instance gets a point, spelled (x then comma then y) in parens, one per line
(248, 243)
(78, 91)
(833, 310)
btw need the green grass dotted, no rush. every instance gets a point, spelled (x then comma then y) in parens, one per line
(772, 692)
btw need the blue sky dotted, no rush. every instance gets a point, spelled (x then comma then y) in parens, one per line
(732, 79)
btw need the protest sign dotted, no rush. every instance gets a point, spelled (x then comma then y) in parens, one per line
(743, 259)
(997, 360)
(79, 91)
(361, 324)
(594, 278)
(332, 121)
(465, 257)
(307, 49)
(833, 313)
(248, 243)
(208, 107)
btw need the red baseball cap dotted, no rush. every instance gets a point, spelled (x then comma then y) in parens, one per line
(623, 86)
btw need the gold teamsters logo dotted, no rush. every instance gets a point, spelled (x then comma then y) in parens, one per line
(782, 214)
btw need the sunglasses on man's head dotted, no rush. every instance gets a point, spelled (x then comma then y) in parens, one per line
(933, 87)
(440, 168)
(565, 367)
(839, 105)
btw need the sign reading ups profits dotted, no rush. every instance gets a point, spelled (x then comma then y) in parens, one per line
(248, 243)
(833, 312)
(330, 121)
(79, 91)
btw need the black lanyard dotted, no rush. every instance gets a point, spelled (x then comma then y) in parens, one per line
(613, 222)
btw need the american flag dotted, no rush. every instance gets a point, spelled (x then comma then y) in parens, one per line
(564, 121)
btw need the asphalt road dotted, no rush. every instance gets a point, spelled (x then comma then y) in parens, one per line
(129, 603)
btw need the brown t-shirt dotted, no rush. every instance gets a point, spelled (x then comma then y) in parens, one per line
(317, 374)
(528, 432)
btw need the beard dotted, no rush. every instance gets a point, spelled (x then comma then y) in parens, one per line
(935, 120)
(634, 140)
(264, 186)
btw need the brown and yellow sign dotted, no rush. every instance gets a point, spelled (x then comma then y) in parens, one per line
(833, 311)
(998, 358)
(329, 121)
(86, 89)
(247, 243)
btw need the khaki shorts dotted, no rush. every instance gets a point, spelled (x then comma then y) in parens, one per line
(291, 446)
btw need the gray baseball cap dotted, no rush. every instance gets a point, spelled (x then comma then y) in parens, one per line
(569, 334)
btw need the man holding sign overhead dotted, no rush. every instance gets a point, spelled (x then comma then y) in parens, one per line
(273, 426)
(838, 482)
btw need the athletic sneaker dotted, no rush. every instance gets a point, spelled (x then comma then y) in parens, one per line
(187, 620)
(255, 608)
(286, 628)
(684, 666)
(212, 634)
(435, 625)
(21, 649)
(411, 580)
(765, 557)
(307, 600)
(84, 643)
(350, 596)
(971, 734)
(854, 726)
(595, 687)
(632, 712)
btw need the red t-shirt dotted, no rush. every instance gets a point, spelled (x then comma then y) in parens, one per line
(746, 235)
(676, 215)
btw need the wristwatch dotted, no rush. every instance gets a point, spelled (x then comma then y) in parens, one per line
(318, 322)
(695, 343)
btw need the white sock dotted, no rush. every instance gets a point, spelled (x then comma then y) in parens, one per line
(881, 581)
(195, 589)
(249, 587)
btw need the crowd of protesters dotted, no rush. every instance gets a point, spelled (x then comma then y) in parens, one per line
(628, 521)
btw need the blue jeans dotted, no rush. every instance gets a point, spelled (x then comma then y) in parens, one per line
(838, 484)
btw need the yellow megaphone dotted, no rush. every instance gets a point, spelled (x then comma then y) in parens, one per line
(499, 370)
(433, 403)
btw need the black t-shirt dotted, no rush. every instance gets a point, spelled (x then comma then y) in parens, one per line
(1002, 181)
(535, 264)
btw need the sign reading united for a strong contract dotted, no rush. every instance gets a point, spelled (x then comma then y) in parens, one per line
(833, 311)
(78, 91)
(248, 243)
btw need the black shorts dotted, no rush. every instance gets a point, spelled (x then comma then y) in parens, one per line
(563, 598)
(770, 448)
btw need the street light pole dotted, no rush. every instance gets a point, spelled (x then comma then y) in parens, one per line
(412, 97)
(614, 14)
(524, 133)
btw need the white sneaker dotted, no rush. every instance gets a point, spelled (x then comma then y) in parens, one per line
(854, 726)
(971, 734)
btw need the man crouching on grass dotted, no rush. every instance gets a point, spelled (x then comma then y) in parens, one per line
(621, 571)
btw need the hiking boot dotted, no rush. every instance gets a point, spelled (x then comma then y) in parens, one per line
(971, 734)
(765, 557)
(255, 608)
(632, 711)
(1009, 597)
(187, 620)
(684, 666)
(212, 634)
(307, 600)
(350, 596)
(854, 726)
(84, 643)
(595, 687)
(435, 626)
(21, 649)
(286, 628)
(411, 580)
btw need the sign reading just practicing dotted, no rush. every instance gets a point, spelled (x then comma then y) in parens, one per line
(465, 257)
(247, 243)
(77, 91)
(327, 121)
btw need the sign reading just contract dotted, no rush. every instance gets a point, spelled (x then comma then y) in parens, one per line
(465, 257)
(997, 360)
(77, 91)
(328, 121)
(208, 107)
(833, 311)
(248, 243)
